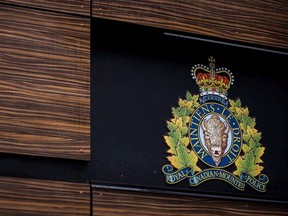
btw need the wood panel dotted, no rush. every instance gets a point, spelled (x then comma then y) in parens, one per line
(112, 203)
(44, 83)
(40, 197)
(261, 22)
(81, 7)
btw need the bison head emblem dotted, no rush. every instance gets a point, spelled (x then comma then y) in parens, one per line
(215, 137)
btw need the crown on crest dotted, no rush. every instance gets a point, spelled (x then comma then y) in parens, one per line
(211, 80)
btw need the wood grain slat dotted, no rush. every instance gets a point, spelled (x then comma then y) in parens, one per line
(44, 83)
(112, 203)
(39, 197)
(80, 7)
(260, 22)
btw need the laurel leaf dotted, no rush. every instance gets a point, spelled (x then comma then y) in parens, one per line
(248, 165)
(183, 158)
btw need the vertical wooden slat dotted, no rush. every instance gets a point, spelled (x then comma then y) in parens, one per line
(260, 22)
(44, 83)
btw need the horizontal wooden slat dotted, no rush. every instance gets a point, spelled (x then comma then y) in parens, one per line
(44, 84)
(81, 7)
(260, 22)
(39, 197)
(112, 203)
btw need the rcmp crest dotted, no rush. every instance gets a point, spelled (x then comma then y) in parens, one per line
(210, 133)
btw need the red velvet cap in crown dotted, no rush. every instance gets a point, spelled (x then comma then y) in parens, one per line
(211, 80)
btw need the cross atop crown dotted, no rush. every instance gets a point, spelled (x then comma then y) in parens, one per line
(211, 80)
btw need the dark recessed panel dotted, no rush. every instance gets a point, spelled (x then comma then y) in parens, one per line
(156, 128)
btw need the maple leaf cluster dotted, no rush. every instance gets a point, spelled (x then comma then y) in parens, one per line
(249, 162)
(181, 154)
